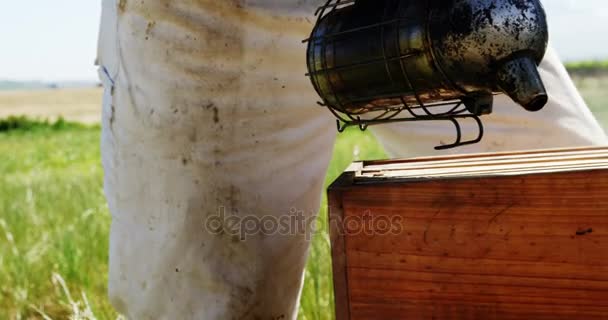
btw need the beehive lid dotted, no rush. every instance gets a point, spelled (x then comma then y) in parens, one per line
(482, 165)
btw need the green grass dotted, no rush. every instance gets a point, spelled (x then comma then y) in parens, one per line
(317, 297)
(592, 65)
(54, 222)
(23, 123)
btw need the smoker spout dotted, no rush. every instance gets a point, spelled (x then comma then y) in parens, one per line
(520, 80)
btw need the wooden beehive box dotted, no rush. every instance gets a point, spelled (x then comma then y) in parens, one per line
(503, 236)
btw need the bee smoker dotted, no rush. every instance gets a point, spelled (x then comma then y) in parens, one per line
(407, 60)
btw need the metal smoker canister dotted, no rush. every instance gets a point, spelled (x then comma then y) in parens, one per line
(370, 55)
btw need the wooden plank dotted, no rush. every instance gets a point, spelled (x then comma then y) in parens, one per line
(486, 156)
(396, 285)
(592, 276)
(523, 246)
(545, 161)
(511, 169)
(489, 160)
(473, 218)
(421, 309)
(338, 246)
(518, 163)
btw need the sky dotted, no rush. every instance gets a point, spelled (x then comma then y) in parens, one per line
(55, 40)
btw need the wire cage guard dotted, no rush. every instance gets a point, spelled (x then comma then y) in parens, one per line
(404, 112)
(406, 101)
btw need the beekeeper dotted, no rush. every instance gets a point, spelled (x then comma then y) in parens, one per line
(207, 113)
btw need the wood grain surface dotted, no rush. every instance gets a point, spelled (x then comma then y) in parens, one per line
(522, 246)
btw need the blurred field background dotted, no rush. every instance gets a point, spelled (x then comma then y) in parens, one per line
(54, 222)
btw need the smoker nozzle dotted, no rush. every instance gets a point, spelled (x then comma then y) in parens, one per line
(520, 80)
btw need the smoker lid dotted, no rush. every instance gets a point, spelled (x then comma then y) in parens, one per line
(481, 165)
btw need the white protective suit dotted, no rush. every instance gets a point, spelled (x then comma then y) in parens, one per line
(207, 110)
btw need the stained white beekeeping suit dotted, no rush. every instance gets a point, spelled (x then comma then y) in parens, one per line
(207, 110)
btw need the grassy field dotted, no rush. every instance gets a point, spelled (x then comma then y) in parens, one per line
(54, 224)
(590, 65)
(54, 221)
